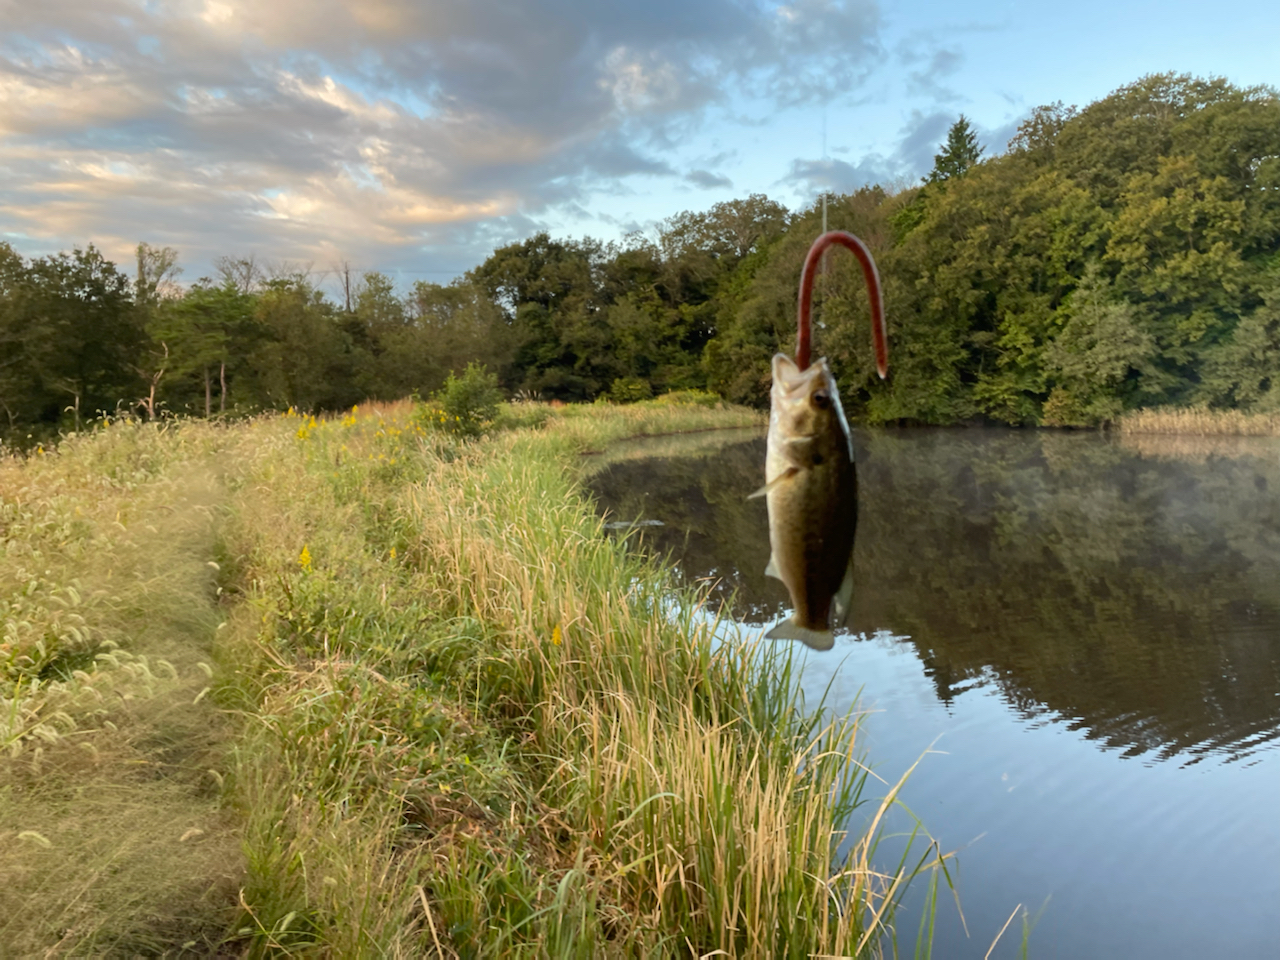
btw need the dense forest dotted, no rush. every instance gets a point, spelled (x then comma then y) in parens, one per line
(1123, 255)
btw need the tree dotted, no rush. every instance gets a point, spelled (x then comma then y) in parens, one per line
(154, 283)
(729, 230)
(959, 153)
(302, 358)
(244, 273)
(1038, 134)
(1244, 371)
(1101, 346)
(72, 336)
(755, 304)
(157, 275)
(200, 333)
(552, 293)
(16, 380)
(449, 327)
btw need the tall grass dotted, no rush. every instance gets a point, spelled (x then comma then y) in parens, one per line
(112, 831)
(1197, 421)
(560, 759)
(464, 723)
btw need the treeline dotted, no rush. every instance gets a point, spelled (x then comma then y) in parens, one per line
(79, 337)
(1119, 256)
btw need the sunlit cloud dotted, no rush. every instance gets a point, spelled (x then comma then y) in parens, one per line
(377, 127)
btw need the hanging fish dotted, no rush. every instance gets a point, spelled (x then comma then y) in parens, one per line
(811, 485)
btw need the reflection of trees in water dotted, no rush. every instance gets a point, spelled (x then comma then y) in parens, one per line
(710, 527)
(1135, 594)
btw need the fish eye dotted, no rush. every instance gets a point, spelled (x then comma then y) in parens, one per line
(820, 399)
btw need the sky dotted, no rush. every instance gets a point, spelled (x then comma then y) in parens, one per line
(414, 137)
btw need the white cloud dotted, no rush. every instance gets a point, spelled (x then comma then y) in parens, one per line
(376, 127)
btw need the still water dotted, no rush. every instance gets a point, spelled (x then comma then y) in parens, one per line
(1081, 634)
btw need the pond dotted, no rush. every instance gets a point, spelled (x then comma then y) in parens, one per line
(1080, 635)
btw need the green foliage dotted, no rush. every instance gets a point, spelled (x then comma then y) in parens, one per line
(629, 390)
(1166, 186)
(1100, 347)
(695, 398)
(470, 402)
(959, 153)
(197, 334)
(1244, 371)
(69, 334)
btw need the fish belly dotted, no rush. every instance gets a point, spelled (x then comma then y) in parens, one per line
(812, 519)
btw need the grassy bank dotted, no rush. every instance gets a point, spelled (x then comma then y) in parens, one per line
(446, 716)
(114, 833)
(1195, 421)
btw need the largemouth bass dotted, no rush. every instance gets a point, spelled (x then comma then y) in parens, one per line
(812, 492)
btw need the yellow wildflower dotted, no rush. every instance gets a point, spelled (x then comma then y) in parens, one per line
(556, 636)
(304, 559)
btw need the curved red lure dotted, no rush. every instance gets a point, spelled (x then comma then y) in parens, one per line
(804, 331)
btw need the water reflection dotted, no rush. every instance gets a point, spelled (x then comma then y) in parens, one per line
(1130, 590)
(1043, 607)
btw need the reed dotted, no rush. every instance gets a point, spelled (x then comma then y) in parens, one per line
(1200, 421)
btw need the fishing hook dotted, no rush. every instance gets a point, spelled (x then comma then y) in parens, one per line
(804, 326)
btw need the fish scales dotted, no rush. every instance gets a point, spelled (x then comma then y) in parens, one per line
(811, 489)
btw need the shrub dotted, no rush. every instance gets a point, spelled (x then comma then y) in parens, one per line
(630, 389)
(470, 402)
(696, 398)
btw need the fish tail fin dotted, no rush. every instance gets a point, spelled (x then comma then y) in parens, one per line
(816, 639)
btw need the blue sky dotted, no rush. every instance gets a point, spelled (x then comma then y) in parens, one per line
(413, 137)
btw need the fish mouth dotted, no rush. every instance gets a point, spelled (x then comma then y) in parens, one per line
(804, 438)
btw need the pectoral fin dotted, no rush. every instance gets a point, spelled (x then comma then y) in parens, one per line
(815, 639)
(771, 570)
(842, 602)
(786, 474)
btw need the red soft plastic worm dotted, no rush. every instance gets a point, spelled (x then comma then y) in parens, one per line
(804, 330)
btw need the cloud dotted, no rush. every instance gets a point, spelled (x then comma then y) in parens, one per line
(706, 180)
(995, 140)
(837, 176)
(378, 128)
(927, 80)
(910, 159)
(921, 139)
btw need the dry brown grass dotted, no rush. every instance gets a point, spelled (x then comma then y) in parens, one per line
(398, 410)
(1200, 422)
